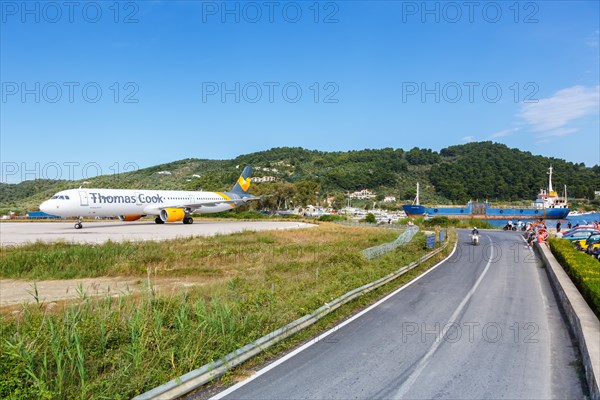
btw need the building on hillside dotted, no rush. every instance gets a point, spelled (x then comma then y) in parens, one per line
(597, 193)
(164, 172)
(267, 169)
(263, 179)
(364, 194)
(389, 199)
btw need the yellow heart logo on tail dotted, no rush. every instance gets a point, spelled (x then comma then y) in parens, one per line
(244, 183)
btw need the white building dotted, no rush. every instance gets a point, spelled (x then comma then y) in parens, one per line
(362, 195)
(263, 179)
(389, 199)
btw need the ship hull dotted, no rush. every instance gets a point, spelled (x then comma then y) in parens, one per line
(484, 211)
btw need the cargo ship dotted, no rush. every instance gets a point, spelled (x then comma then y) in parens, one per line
(548, 205)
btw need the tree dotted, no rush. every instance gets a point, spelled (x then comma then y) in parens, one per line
(370, 218)
(306, 193)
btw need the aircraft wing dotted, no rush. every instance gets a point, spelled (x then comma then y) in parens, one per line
(200, 204)
(213, 203)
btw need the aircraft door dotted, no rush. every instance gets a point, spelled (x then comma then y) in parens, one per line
(83, 197)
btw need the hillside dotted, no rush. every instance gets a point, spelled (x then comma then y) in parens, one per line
(471, 171)
(490, 170)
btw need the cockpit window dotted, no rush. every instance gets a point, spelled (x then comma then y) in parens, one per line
(53, 197)
(67, 198)
(61, 197)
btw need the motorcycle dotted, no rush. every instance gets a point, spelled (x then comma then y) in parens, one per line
(474, 239)
(509, 227)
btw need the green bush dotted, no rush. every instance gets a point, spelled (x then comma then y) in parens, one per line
(370, 218)
(583, 270)
(470, 223)
(441, 221)
(446, 222)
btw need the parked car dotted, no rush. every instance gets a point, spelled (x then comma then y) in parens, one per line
(573, 229)
(592, 247)
(595, 251)
(583, 244)
(580, 234)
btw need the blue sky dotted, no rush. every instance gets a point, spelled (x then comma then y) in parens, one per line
(105, 87)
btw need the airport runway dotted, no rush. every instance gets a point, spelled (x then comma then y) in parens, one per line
(18, 233)
(484, 324)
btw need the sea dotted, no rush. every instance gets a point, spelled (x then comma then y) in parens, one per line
(551, 223)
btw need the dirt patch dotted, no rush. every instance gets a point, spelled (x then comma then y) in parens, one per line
(15, 292)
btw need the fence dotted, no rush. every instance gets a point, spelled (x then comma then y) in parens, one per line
(378, 251)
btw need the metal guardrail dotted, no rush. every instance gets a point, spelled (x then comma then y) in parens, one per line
(378, 251)
(198, 377)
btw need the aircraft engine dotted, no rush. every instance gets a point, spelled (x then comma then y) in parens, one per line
(172, 214)
(130, 217)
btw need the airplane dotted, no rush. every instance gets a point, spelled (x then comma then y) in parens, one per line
(133, 204)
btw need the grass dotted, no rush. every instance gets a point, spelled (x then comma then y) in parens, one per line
(215, 257)
(583, 270)
(234, 215)
(105, 347)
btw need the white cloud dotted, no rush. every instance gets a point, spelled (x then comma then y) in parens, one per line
(594, 39)
(468, 138)
(550, 116)
(503, 133)
(560, 132)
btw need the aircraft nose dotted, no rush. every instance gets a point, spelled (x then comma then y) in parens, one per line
(45, 207)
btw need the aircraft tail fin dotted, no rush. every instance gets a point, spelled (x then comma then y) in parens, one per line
(243, 183)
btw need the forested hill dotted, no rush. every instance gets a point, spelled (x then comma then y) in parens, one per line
(477, 170)
(482, 170)
(491, 170)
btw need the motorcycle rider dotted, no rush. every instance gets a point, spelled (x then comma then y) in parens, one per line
(475, 235)
(520, 224)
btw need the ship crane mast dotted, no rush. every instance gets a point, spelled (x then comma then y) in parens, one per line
(416, 200)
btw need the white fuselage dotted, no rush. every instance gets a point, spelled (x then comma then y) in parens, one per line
(122, 202)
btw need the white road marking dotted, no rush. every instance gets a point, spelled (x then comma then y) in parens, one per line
(407, 384)
(527, 244)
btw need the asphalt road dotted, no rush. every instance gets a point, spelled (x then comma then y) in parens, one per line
(484, 324)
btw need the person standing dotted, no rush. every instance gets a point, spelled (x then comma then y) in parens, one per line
(558, 227)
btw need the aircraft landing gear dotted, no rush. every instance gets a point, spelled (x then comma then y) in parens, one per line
(78, 224)
(158, 220)
(188, 220)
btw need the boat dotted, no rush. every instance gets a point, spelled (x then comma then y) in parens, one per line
(548, 205)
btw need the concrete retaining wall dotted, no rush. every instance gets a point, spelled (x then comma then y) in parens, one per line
(582, 320)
